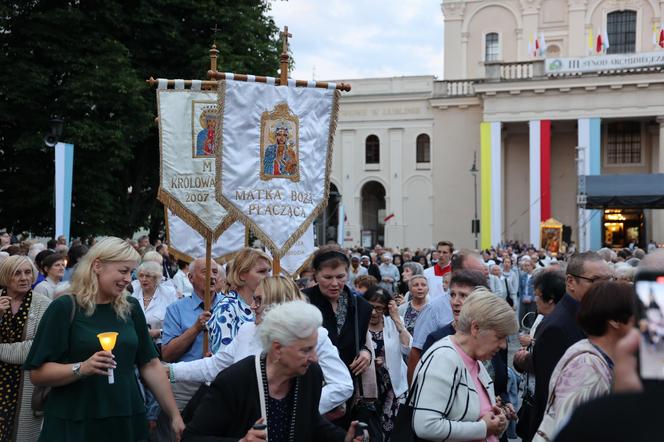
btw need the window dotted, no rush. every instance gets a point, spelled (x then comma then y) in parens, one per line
(491, 47)
(372, 150)
(621, 29)
(623, 143)
(423, 149)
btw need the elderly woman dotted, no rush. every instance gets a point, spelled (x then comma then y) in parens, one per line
(389, 273)
(410, 269)
(20, 312)
(391, 342)
(279, 388)
(585, 371)
(410, 311)
(624, 272)
(455, 397)
(153, 298)
(83, 404)
(53, 268)
(248, 269)
(343, 312)
(271, 292)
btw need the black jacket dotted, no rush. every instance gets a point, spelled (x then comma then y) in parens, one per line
(232, 406)
(557, 332)
(344, 341)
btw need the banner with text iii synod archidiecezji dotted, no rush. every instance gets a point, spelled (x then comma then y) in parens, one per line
(274, 157)
(187, 128)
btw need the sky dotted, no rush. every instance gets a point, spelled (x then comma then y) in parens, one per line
(346, 39)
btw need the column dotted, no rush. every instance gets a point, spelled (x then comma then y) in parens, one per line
(589, 163)
(539, 176)
(394, 204)
(491, 226)
(347, 176)
(657, 225)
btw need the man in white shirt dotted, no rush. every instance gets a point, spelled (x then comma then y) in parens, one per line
(435, 273)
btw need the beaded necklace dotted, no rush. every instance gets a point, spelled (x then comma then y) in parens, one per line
(291, 436)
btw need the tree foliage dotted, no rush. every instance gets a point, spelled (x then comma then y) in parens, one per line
(87, 61)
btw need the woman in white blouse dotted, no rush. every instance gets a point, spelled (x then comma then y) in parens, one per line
(53, 267)
(153, 297)
(272, 290)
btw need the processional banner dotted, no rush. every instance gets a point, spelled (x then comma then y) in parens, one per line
(274, 154)
(187, 128)
(299, 254)
(187, 244)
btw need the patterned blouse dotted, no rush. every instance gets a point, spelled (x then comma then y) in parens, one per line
(227, 316)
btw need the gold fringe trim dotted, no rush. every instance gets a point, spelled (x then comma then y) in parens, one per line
(246, 220)
(185, 257)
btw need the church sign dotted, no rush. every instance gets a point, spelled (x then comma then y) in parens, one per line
(613, 62)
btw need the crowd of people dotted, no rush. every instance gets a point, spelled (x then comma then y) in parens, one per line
(380, 344)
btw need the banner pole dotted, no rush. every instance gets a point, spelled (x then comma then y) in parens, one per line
(207, 295)
(276, 266)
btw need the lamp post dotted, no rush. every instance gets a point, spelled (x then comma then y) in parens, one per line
(475, 225)
(64, 163)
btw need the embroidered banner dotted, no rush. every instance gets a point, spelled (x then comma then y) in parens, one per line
(274, 154)
(187, 127)
(298, 255)
(187, 244)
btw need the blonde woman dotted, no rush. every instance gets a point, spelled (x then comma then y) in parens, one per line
(66, 355)
(454, 396)
(20, 313)
(248, 269)
(272, 291)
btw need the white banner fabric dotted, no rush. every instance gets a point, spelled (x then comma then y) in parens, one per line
(274, 157)
(187, 127)
(299, 253)
(189, 244)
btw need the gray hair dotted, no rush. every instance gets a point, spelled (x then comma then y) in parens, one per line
(154, 257)
(489, 312)
(150, 268)
(285, 323)
(220, 268)
(414, 277)
(624, 271)
(414, 267)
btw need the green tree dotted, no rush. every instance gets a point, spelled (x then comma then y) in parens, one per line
(87, 62)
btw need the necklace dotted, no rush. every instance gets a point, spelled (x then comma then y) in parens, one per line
(291, 436)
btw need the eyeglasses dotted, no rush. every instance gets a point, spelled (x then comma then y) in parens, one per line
(378, 308)
(595, 279)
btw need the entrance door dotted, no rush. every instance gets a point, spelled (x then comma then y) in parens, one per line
(622, 227)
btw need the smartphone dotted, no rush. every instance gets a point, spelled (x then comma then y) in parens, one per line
(259, 426)
(359, 429)
(650, 289)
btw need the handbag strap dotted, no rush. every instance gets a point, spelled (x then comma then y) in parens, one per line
(552, 393)
(261, 389)
(357, 341)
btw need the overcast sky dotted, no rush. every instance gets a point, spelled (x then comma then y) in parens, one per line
(348, 39)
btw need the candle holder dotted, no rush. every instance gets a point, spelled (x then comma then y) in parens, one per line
(107, 341)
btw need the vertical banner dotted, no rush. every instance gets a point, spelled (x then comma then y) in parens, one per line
(590, 221)
(299, 253)
(545, 170)
(535, 202)
(274, 155)
(491, 184)
(64, 169)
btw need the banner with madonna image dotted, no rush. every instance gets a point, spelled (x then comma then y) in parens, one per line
(274, 155)
(299, 255)
(187, 128)
(187, 244)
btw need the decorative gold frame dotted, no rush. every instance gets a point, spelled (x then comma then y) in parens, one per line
(280, 112)
(551, 236)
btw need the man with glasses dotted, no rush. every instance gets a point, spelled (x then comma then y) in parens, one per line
(559, 330)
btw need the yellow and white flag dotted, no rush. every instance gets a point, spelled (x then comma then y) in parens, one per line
(187, 127)
(274, 154)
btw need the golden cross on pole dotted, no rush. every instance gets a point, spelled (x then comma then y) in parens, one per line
(214, 52)
(215, 30)
(284, 58)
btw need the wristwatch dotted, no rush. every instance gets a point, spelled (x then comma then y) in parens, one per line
(76, 369)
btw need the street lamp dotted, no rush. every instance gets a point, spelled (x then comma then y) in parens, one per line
(475, 225)
(56, 124)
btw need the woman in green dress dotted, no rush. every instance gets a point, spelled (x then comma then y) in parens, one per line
(66, 355)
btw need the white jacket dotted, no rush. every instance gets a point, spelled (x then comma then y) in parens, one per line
(446, 404)
(396, 367)
(338, 386)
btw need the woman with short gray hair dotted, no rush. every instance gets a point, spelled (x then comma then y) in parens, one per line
(276, 392)
(451, 375)
(389, 274)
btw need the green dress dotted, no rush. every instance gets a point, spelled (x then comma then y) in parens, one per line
(91, 409)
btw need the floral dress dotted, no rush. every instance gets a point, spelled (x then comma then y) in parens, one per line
(227, 316)
(388, 405)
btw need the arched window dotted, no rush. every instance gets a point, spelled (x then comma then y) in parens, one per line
(491, 47)
(372, 150)
(621, 30)
(423, 149)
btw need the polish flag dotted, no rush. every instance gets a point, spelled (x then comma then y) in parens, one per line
(388, 217)
(598, 47)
